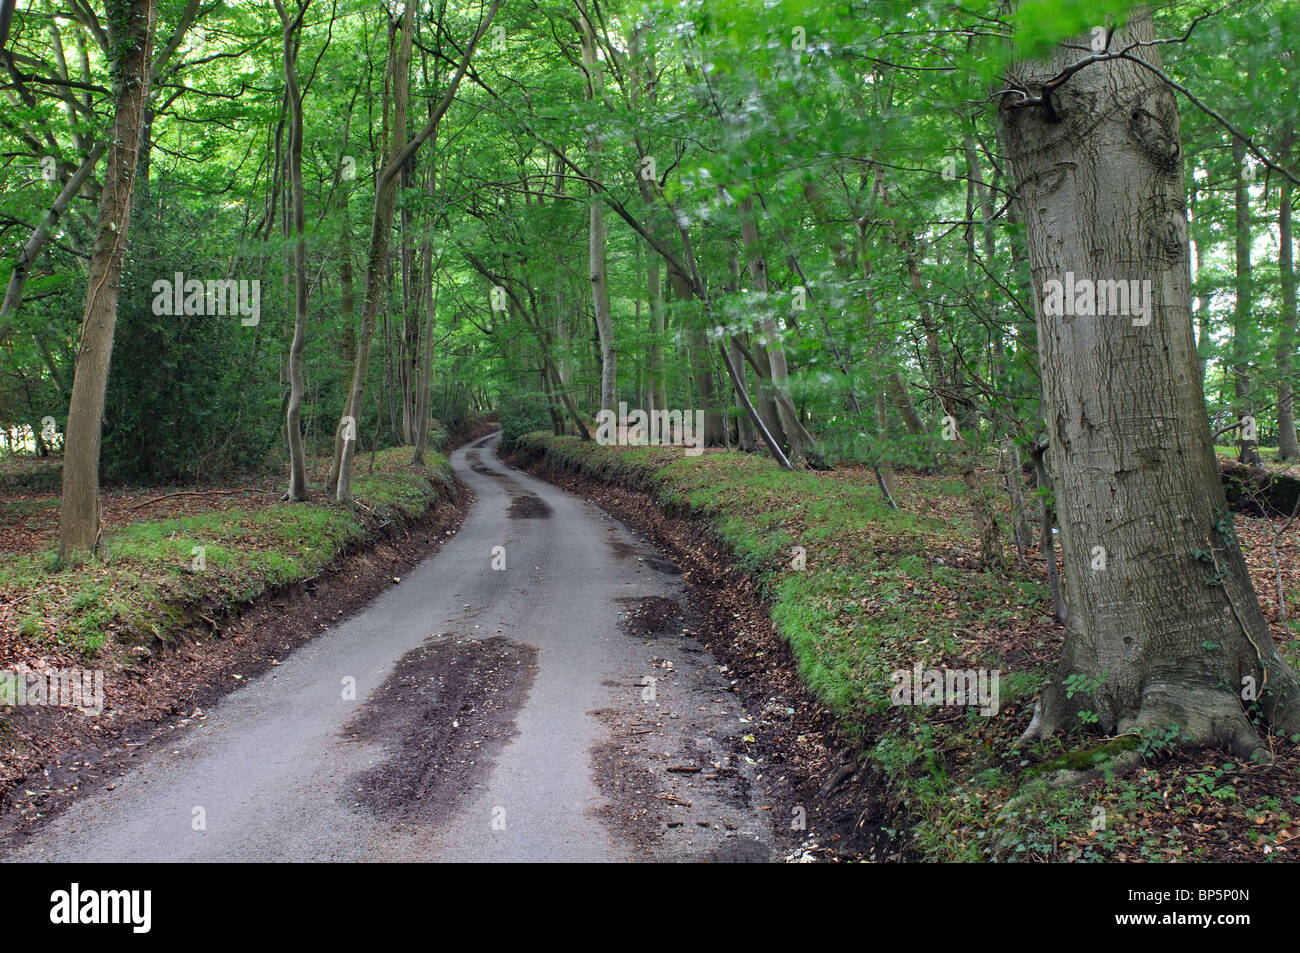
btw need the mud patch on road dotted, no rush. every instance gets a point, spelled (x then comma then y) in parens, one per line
(478, 466)
(649, 617)
(624, 551)
(443, 716)
(528, 507)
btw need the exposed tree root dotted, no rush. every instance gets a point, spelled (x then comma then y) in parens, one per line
(1204, 715)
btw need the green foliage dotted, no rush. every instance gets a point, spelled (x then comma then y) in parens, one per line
(521, 414)
(184, 399)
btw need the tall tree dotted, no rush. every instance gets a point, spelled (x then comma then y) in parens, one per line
(293, 414)
(400, 152)
(130, 25)
(598, 237)
(1287, 446)
(1164, 627)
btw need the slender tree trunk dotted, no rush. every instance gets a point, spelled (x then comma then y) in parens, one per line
(598, 235)
(399, 153)
(1200, 309)
(297, 460)
(1046, 523)
(426, 371)
(131, 26)
(802, 443)
(27, 257)
(885, 472)
(1011, 472)
(347, 305)
(1288, 448)
(1242, 385)
(1164, 626)
(701, 366)
(983, 515)
(645, 86)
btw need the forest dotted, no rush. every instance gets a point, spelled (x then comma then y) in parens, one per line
(1026, 266)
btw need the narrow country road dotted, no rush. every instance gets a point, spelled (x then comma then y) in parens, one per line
(526, 694)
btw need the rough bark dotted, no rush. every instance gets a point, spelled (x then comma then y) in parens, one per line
(1170, 631)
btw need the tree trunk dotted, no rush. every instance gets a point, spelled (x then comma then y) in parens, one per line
(1164, 625)
(347, 305)
(426, 369)
(701, 366)
(598, 236)
(399, 153)
(27, 257)
(802, 444)
(1046, 524)
(297, 461)
(1247, 443)
(131, 24)
(1288, 448)
(1011, 472)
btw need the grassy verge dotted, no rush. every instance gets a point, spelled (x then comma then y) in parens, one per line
(160, 574)
(881, 591)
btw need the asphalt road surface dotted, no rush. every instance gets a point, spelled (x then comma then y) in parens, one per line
(501, 703)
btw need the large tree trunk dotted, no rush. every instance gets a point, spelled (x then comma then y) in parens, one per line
(376, 266)
(130, 23)
(1164, 626)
